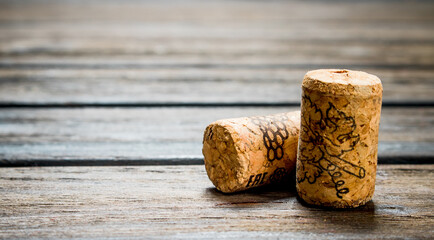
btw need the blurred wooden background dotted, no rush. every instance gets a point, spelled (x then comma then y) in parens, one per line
(92, 83)
(138, 81)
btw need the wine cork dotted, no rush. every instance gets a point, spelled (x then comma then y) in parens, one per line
(337, 152)
(243, 153)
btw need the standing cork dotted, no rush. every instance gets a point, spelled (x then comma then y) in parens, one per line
(243, 153)
(337, 157)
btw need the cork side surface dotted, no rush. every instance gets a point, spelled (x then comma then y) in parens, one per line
(242, 153)
(337, 159)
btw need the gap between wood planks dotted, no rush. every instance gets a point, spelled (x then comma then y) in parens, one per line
(427, 103)
(173, 161)
(210, 65)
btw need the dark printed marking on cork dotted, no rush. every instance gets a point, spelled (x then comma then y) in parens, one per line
(322, 152)
(277, 176)
(274, 134)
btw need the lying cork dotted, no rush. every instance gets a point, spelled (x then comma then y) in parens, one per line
(337, 154)
(243, 153)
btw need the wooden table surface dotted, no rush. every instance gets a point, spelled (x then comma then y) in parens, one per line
(103, 106)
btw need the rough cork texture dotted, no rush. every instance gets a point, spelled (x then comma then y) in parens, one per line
(337, 153)
(243, 153)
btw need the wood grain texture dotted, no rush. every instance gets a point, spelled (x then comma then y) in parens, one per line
(163, 135)
(175, 10)
(224, 19)
(161, 52)
(186, 85)
(181, 203)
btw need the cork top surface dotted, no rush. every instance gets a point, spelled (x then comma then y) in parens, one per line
(343, 82)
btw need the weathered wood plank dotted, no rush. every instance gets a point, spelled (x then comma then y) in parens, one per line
(240, 19)
(168, 202)
(188, 85)
(292, 56)
(166, 135)
(397, 50)
(173, 10)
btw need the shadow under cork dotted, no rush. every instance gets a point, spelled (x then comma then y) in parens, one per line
(274, 193)
(363, 218)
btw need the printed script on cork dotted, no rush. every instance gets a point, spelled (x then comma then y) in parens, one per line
(337, 158)
(242, 153)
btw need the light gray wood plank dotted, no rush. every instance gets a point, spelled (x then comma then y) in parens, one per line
(224, 19)
(171, 10)
(171, 53)
(186, 85)
(325, 30)
(397, 50)
(179, 202)
(171, 135)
